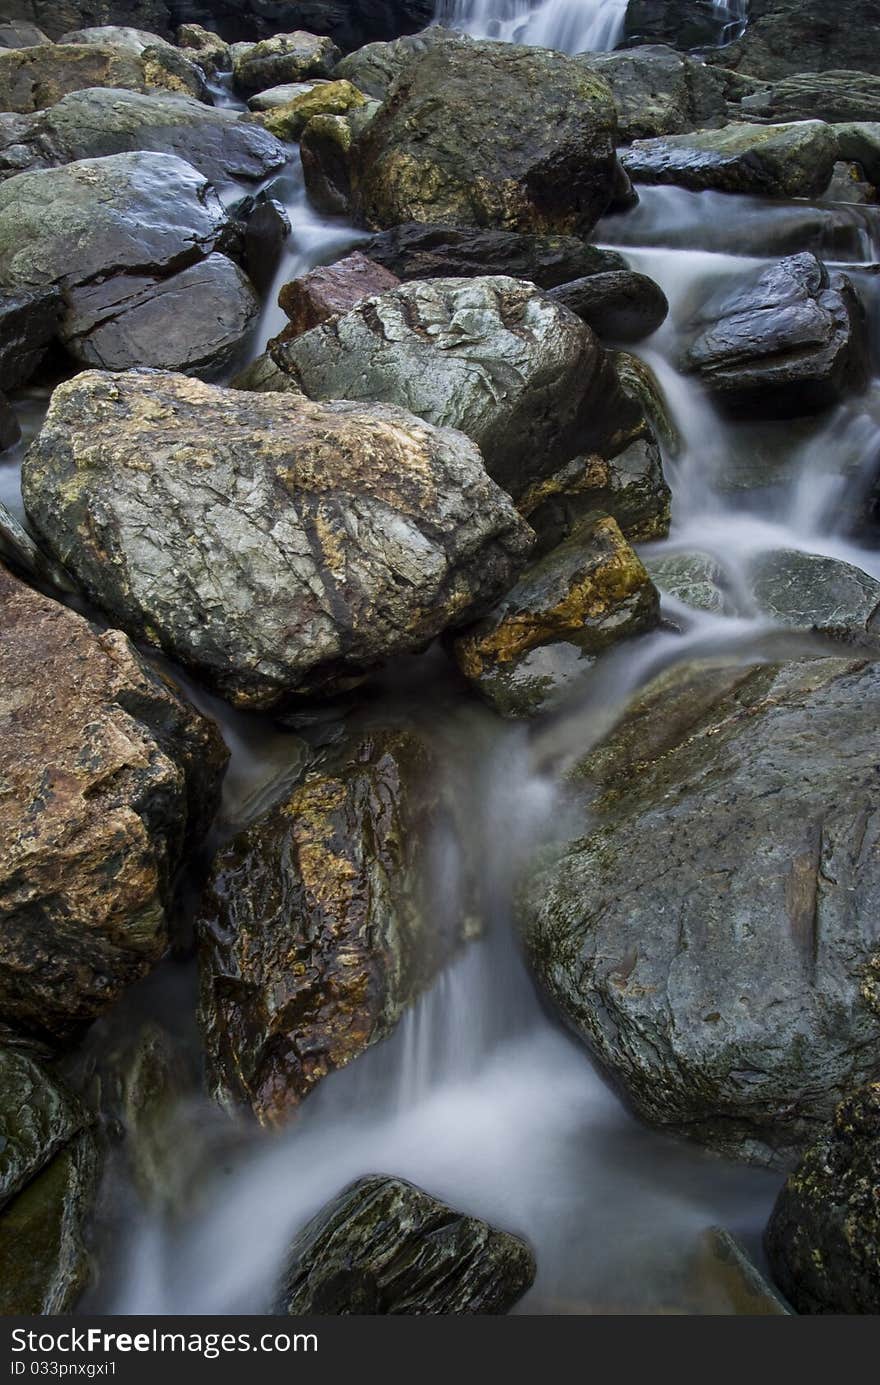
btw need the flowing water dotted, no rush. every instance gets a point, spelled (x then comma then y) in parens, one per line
(479, 1095)
(570, 26)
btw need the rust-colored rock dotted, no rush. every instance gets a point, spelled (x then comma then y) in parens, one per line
(332, 289)
(105, 776)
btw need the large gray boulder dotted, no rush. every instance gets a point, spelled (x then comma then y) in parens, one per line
(789, 340)
(90, 124)
(375, 68)
(269, 543)
(493, 357)
(791, 160)
(33, 78)
(386, 1247)
(129, 241)
(823, 1239)
(317, 929)
(712, 935)
(489, 134)
(283, 58)
(658, 91)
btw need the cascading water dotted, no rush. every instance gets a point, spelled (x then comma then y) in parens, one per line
(570, 26)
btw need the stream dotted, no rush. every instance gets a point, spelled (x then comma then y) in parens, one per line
(480, 1096)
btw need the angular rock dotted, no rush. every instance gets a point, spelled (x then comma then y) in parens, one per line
(317, 929)
(270, 543)
(489, 134)
(107, 777)
(33, 78)
(829, 96)
(860, 142)
(419, 251)
(288, 121)
(221, 144)
(37, 1119)
(711, 935)
(565, 610)
(823, 1239)
(332, 289)
(327, 153)
(619, 305)
(658, 91)
(695, 579)
(284, 58)
(792, 160)
(811, 592)
(19, 552)
(629, 486)
(28, 322)
(640, 384)
(386, 1247)
(789, 341)
(267, 229)
(491, 357)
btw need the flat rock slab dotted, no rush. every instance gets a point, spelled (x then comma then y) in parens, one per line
(792, 160)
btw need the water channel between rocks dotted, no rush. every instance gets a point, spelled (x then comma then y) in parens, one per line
(479, 1095)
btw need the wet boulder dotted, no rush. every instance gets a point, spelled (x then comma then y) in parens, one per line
(220, 144)
(108, 778)
(48, 1182)
(420, 251)
(34, 78)
(789, 340)
(566, 609)
(619, 305)
(808, 591)
(332, 289)
(283, 58)
(489, 134)
(791, 160)
(823, 1239)
(384, 1246)
(128, 239)
(28, 322)
(658, 91)
(492, 357)
(710, 930)
(268, 542)
(318, 929)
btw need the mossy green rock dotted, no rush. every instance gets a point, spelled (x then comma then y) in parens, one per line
(489, 134)
(712, 934)
(386, 1247)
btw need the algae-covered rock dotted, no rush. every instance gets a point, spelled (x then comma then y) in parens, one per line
(317, 928)
(386, 1247)
(375, 68)
(823, 1239)
(271, 543)
(711, 936)
(288, 121)
(791, 160)
(284, 58)
(566, 609)
(33, 78)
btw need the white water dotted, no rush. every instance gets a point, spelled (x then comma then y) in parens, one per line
(570, 26)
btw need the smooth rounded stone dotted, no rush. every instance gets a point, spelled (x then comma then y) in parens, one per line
(221, 144)
(108, 779)
(791, 160)
(28, 322)
(710, 935)
(317, 930)
(619, 305)
(375, 68)
(48, 1177)
(385, 1247)
(282, 96)
(270, 543)
(658, 91)
(629, 486)
(284, 58)
(565, 610)
(830, 96)
(420, 251)
(10, 429)
(811, 592)
(330, 98)
(116, 36)
(195, 321)
(490, 134)
(20, 34)
(823, 1239)
(492, 357)
(205, 48)
(331, 289)
(789, 340)
(784, 37)
(683, 24)
(33, 78)
(695, 579)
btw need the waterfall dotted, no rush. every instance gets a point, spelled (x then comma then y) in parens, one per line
(570, 26)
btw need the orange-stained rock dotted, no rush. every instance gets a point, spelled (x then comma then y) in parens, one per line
(105, 777)
(332, 289)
